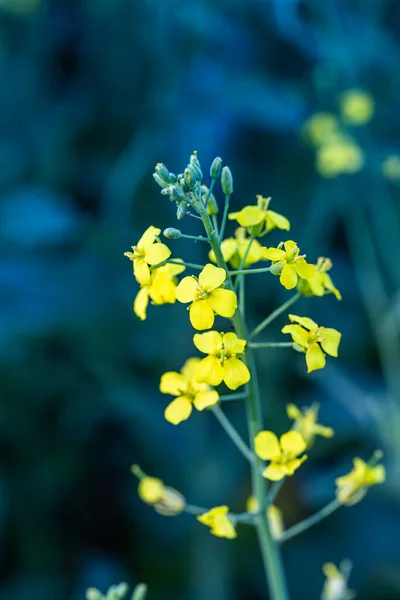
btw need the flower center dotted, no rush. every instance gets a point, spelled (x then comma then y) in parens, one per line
(201, 293)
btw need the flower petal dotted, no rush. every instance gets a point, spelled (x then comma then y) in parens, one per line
(289, 246)
(288, 277)
(273, 254)
(235, 373)
(150, 489)
(232, 343)
(249, 216)
(304, 321)
(330, 341)
(179, 410)
(274, 220)
(293, 465)
(304, 270)
(157, 253)
(228, 248)
(292, 411)
(266, 446)
(275, 472)
(186, 290)
(141, 302)
(315, 358)
(148, 237)
(175, 269)
(210, 371)
(201, 315)
(141, 271)
(292, 443)
(173, 383)
(223, 527)
(211, 277)
(204, 399)
(189, 368)
(223, 302)
(208, 342)
(299, 335)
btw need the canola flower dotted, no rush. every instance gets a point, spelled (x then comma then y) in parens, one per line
(239, 249)
(336, 582)
(165, 500)
(147, 252)
(207, 297)
(159, 288)
(223, 362)
(352, 488)
(320, 127)
(313, 340)
(289, 264)
(356, 107)
(283, 454)
(218, 521)
(305, 422)
(259, 219)
(321, 283)
(341, 154)
(188, 391)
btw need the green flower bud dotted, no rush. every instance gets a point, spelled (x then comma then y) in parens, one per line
(215, 168)
(227, 181)
(172, 234)
(163, 172)
(190, 176)
(181, 210)
(93, 594)
(160, 181)
(177, 193)
(276, 269)
(173, 178)
(140, 592)
(194, 160)
(171, 504)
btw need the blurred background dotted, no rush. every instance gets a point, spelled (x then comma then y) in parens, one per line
(93, 94)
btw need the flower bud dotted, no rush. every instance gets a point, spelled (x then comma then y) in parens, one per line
(173, 178)
(162, 172)
(227, 181)
(93, 594)
(181, 210)
(190, 176)
(160, 181)
(140, 592)
(171, 504)
(194, 160)
(276, 269)
(177, 193)
(172, 234)
(212, 206)
(215, 168)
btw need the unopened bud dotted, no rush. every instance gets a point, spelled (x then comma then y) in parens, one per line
(181, 210)
(160, 181)
(162, 172)
(227, 181)
(140, 592)
(93, 594)
(194, 160)
(177, 193)
(171, 233)
(171, 504)
(276, 269)
(190, 176)
(215, 168)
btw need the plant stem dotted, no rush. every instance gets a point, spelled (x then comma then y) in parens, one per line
(269, 548)
(310, 521)
(184, 264)
(274, 315)
(191, 509)
(271, 345)
(233, 434)
(251, 271)
(228, 397)
(210, 189)
(274, 490)
(197, 238)
(226, 209)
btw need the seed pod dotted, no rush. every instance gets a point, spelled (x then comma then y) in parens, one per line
(215, 168)
(227, 181)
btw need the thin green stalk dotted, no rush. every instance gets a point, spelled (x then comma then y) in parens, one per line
(184, 264)
(271, 345)
(197, 238)
(251, 271)
(226, 209)
(210, 189)
(310, 521)
(274, 315)
(192, 509)
(229, 397)
(275, 489)
(232, 433)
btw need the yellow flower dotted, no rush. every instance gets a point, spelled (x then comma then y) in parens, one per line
(356, 107)
(320, 127)
(147, 252)
(234, 250)
(339, 155)
(283, 454)
(309, 338)
(165, 500)
(150, 489)
(321, 283)
(219, 522)
(207, 297)
(289, 264)
(391, 167)
(274, 515)
(351, 488)
(258, 219)
(188, 391)
(305, 422)
(335, 586)
(222, 362)
(159, 288)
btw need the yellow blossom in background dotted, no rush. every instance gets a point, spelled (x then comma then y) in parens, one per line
(321, 283)
(238, 248)
(165, 500)
(351, 488)
(320, 127)
(305, 422)
(258, 219)
(274, 515)
(159, 288)
(356, 107)
(188, 391)
(289, 264)
(207, 297)
(223, 361)
(219, 522)
(340, 155)
(310, 338)
(391, 167)
(283, 454)
(147, 252)
(335, 586)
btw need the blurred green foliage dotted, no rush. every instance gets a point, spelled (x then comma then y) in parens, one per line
(93, 94)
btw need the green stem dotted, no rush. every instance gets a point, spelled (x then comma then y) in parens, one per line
(274, 490)
(197, 238)
(226, 209)
(232, 433)
(251, 271)
(310, 521)
(228, 397)
(213, 180)
(191, 509)
(184, 264)
(271, 345)
(274, 315)
(269, 548)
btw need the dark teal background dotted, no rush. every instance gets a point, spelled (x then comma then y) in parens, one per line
(94, 93)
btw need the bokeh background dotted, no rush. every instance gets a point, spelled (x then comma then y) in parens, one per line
(94, 93)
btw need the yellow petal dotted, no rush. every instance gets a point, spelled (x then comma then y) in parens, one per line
(179, 410)
(329, 285)
(375, 475)
(275, 220)
(326, 432)
(304, 321)
(223, 527)
(201, 315)
(294, 464)
(293, 412)
(150, 489)
(299, 335)
(315, 358)
(211, 277)
(292, 443)
(157, 253)
(173, 383)
(210, 371)
(204, 399)
(275, 472)
(289, 246)
(228, 248)
(330, 341)
(189, 368)
(162, 289)
(288, 277)
(254, 254)
(223, 302)
(141, 302)
(175, 269)
(141, 271)
(148, 237)
(186, 290)
(232, 343)
(304, 270)
(266, 446)
(208, 342)
(235, 373)
(274, 254)
(249, 216)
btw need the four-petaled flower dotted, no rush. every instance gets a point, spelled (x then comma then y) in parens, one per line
(238, 249)
(147, 252)
(207, 297)
(321, 283)
(223, 363)
(309, 338)
(351, 488)
(305, 422)
(188, 391)
(159, 288)
(289, 264)
(259, 219)
(219, 522)
(335, 586)
(283, 454)
(165, 500)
